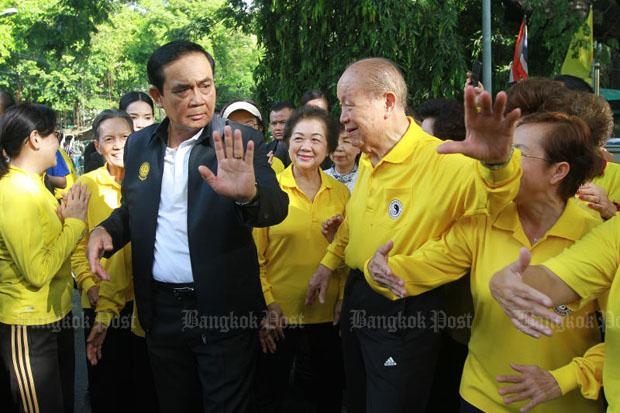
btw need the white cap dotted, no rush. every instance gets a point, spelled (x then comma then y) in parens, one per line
(242, 105)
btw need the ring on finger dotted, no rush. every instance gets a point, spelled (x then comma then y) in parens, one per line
(238, 157)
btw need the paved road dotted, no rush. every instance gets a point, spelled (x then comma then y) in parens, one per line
(82, 401)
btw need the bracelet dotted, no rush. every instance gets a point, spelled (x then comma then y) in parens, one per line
(252, 201)
(499, 165)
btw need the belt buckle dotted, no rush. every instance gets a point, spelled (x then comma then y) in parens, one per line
(179, 291)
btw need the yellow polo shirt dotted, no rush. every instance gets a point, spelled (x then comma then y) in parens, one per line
(414, 194)
(113, 294)
(610, 181)
(591, 267)
(36, 287)
(277, 165)
(290, 252)
(485, 245)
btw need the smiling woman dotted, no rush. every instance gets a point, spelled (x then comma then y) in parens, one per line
(37, 237)
(288, 255)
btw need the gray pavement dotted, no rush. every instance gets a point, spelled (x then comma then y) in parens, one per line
(82, 400)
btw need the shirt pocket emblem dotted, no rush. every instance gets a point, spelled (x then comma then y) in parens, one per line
(144, 171)
(562, 310)
(396, 209)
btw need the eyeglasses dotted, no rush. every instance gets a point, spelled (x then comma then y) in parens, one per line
(534, 157)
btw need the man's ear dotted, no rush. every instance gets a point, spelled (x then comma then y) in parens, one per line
(389, 99)
(156, 95)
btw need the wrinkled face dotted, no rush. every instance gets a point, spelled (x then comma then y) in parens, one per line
(362, 115)
(141, 114)
(318, 102)
(277, 120)
(245, 118)
(345, 154)
(536, 170)
(113, 134)
(188, 92)
(308, 144)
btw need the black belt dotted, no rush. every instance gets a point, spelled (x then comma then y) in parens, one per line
(177, 288)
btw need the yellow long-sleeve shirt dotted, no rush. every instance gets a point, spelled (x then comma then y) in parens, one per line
(290, 252)
(35, 271)
(486, 244)
(113, 294)
(592, 267)
(414, 194)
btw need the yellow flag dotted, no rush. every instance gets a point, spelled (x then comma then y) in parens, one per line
(578, 61)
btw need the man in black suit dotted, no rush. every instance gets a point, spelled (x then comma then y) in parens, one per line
(189, 202)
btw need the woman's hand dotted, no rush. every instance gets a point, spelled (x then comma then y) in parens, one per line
(533, 383)
(74, 203)
(94, 343)
(330, 227)
(93, 296)
(597, 199)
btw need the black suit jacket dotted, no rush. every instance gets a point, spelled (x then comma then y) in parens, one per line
(222, 251)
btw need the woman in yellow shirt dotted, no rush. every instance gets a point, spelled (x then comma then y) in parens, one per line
(37, 237)
(288, 255)
(108, 305)
(558, 155)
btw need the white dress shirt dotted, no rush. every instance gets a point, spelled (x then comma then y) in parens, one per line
(171, 262)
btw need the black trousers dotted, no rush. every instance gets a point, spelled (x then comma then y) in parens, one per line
(193, 373)
(274, 370)
(110, 382)
(39, 362)
(390, 348)
(145, 396)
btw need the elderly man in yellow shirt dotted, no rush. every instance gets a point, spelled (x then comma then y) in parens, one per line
(407, 192)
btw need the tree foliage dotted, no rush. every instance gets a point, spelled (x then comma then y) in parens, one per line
(308, 44)
(80, 56)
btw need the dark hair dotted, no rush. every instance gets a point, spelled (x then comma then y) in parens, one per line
(6, 101)
(135, 96)
(260, 121)
(539, 94)
(312, 94)
(568, 140)
(282, 105)
(312, 112)
(449, 117)
(169, 53)
(574, 83)
(413, 113)
(17, 124)
(110, 114)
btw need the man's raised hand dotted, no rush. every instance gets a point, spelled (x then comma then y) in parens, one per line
(488, 132)
(235, 168)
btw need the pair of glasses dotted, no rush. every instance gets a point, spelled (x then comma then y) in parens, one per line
(534, 157)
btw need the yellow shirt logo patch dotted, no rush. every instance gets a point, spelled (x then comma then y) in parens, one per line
(144, 171)
(396, 209)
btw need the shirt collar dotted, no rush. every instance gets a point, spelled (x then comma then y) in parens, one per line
(287, 179)
(103, 177)
(161, 132)
(403, 148)
(569, 226)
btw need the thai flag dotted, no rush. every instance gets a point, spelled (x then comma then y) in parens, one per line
(519, 62)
